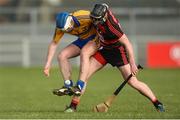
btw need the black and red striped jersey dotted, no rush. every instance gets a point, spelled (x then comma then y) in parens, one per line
(110, 30)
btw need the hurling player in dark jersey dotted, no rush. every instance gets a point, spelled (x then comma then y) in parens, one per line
(118, 51)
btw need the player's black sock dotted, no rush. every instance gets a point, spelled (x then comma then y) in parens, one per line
(157, 103)
(159, 106)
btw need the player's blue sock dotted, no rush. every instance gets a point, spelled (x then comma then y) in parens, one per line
(80, 84)
(68, 83)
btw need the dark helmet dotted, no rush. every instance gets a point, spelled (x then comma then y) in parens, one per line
(99, 11)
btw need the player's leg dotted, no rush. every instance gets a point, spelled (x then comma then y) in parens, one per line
(63, 58)
(65, 67)
(87, 51)
(141, 87)
(119, 58)
(95, 65)
(70, 51)
(81, 83)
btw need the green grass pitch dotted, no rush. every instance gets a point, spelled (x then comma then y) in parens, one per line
(27, 94)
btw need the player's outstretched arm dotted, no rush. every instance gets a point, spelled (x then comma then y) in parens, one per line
(50, 55)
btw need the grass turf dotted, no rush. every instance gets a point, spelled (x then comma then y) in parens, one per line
(27, 94)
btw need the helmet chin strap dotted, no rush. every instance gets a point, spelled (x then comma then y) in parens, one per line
(104, 19)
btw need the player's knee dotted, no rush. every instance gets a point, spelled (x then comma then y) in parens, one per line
(62, 56)
(133, 81)
(84, 54)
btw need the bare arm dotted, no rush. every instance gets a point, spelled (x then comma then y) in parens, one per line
(50, 55)
(52, 49)
(129, 49)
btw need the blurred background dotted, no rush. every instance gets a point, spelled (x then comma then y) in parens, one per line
(27, 27)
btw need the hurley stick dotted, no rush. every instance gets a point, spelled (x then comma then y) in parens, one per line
(103, 107)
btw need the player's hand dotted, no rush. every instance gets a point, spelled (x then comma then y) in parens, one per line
(46, 71)
(134, 69)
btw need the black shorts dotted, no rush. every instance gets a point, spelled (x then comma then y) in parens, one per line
(115, 56)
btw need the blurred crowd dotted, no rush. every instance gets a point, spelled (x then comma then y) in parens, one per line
(5, 4)
(13, 10)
